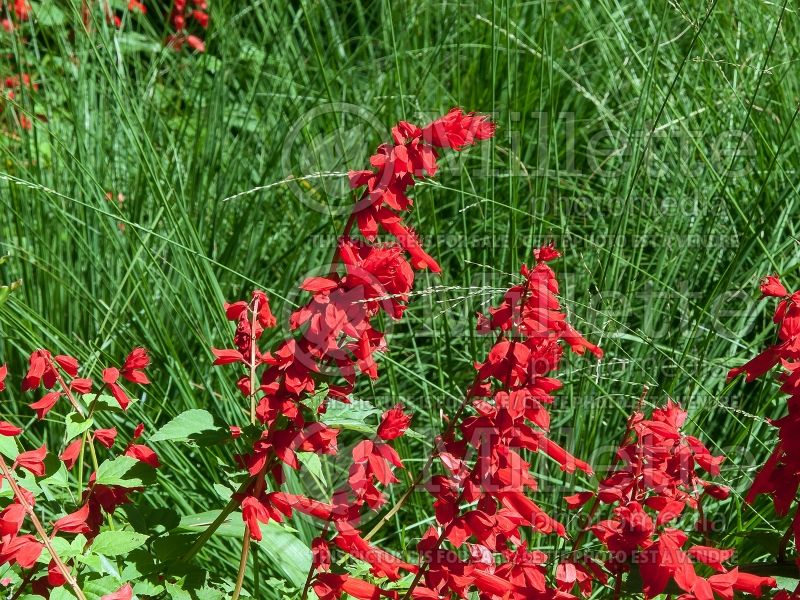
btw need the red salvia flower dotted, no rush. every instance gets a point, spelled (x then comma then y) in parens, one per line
(75, 522)
(780, 476)
(123, 593)
(106, 436)
(32, 460)
(71, 453)
(394, 423)
(508, 397)
(333, 341)
(656, 481)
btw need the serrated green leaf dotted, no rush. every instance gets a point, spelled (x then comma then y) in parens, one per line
(76, 425)
(94, 589)
(61, 593)
(317, 398)
(114, 543)
(177, 592)
(147, 588)
(351, 416)
(190, 425)
(124, 471)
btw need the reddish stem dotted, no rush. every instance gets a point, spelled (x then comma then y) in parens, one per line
(37, 524)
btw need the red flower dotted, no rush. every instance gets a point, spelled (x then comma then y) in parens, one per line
(132, 368)
(110, 378)
(75, 522)
(45, 404)
(106, 436)
(136, 6)
(3, 375)
(394, 423)
(71, 453)
(9, 430)
(143, 454)
(11, 519)
(458, 129)
(23, 550)
(321, 554)
(123, 593)
(772, 286)
(40, 370)
(32, 460)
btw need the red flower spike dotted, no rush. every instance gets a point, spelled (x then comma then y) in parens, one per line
(333, 341)
(512, 387)
(3, 375)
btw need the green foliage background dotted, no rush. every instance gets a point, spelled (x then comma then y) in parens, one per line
(655, 142)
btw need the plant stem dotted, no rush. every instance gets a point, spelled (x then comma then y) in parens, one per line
(310, 576)
(37, 524)
(232, 504)
(784, 544)
(259, 487)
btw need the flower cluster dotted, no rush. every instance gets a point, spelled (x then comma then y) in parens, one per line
(83, 399)
(780, 476)
(335, 339)
(482, 454)
(656, 484)
(185, 12)
(13, 12)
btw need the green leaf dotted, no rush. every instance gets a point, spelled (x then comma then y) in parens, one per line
(124, 471)
(48, 14)
(317, 398)
(114, 543)
(350, 416)
(8, 447)
(192, 425)
(136, 42)
(77, 424)
(95, 589)
(313, 463)
(231, 526)
(105, 403)
(177, 592)
(285, 551)
(61, 593)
